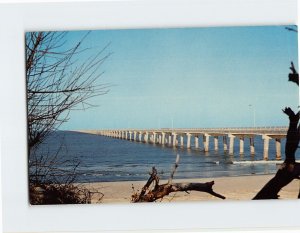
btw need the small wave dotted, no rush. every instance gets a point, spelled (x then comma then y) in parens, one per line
(97, 174)
(259, 162)
(252, 162)
(222, 162)
(212, 162)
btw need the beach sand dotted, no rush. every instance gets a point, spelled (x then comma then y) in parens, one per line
(233, 188)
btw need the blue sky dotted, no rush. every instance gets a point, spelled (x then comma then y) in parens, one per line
(191, 77)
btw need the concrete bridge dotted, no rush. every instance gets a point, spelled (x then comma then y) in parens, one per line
(175, 137)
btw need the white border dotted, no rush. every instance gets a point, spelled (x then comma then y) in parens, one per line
(18, 216)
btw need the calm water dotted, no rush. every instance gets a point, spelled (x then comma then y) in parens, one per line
(107, 159)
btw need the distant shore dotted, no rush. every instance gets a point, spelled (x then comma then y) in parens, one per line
(233, 188)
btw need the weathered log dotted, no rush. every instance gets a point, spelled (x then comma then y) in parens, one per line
(165, 189)
(159, 191)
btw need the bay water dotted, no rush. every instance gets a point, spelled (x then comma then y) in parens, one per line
(100, 159)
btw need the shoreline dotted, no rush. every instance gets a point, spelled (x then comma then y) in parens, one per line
(233, 188)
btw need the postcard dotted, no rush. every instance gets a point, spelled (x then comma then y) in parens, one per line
(162, 114)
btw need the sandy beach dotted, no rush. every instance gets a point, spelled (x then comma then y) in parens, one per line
(233, 188)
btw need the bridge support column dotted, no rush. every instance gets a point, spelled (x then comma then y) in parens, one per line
(252, 148)
(181, 141)
(154, 138)
(130, 135)
(196, 137)
(169, 140)
(134, 136)
(163, 136)
(278, 148)
(216, 143)
(140, 136)
(241, 145)
(225, 143)
(159, 138)
(266, 146)
(231, 144)
(206, 142)
(188, 141)
(146, 137)
(174, 139)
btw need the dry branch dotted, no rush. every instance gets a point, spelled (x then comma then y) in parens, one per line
(159, 191)
(289, 170)
(59, 79)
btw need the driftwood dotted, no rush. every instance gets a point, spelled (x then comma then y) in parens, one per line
(159, 191)
(289, 170)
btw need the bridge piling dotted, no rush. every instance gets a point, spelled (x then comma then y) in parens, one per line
(252, 148)
(181, 141)
(134, 136)
(188, 140)
(278, 148)
(196, 138)
(130, 135)
(170, 139)
(174, 139)
(216, 143)
(146, 137)
(231, 144)
(163, 136)
(154, 138)
(225, 144)
(241, 145)
(266, 146)
(206, 142)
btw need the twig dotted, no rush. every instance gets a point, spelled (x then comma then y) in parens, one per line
(174, 169)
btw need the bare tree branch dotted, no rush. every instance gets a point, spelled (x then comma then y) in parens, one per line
(58, 81)
(289, 170)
